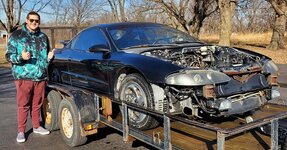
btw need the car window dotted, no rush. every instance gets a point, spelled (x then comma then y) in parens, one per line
(127, 37)
(89, 38)
(130, 36)
(73, 42)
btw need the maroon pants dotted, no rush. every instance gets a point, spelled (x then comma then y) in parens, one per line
(30, 97)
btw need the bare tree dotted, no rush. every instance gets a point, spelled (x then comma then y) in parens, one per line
(37, 5)
(200, 10)
(13, 10)
(56, 12)
(60, 12)
(189, 14)
(252, 16)
(211, 24)
(146, 10)
(226, 10)
(118, 9)
(83, 10)
(279, 26)
(13, 14)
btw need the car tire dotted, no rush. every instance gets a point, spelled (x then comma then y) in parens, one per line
(69, 124)
(136, 90)
(50, 110)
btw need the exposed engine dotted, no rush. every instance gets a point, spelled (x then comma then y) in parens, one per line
(239, 83)
(213, 57)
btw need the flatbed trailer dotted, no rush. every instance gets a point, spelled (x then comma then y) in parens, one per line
(180, 132)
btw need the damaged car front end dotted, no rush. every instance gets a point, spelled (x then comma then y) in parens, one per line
(219, 81)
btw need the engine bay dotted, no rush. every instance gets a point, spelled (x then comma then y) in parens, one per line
(222, 59)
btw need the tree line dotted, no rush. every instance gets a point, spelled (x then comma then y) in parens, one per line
(195, 17)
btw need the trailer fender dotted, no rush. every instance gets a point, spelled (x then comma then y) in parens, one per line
(85, 103)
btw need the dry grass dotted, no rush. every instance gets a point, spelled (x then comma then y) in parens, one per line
(255, 42)
(253, 39)
(2, 55)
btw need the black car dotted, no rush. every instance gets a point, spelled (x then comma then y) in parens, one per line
(159, 67)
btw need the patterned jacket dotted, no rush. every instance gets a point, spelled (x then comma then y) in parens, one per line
(37, 44)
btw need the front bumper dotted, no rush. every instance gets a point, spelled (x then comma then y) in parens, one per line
(243, 105)
(254, 83)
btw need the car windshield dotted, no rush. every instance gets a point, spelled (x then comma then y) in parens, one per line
(148, 36)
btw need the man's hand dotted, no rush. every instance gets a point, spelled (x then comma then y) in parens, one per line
(51, 54)
(25, 55)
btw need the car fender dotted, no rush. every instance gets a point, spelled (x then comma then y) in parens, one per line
(252, 52)
(153, 69)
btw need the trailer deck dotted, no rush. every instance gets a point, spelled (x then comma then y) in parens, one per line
(181, 133)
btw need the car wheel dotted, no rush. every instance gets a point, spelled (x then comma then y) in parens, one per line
(134, 89)
(50, 110)
(69, 124)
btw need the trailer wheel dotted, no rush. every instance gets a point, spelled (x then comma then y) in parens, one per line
(135, 89)
(50, 110)
(69, 124)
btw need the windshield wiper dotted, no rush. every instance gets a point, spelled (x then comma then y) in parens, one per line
(149, 45)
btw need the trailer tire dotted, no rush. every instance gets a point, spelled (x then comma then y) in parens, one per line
(69, 124)
(135, 89)
(50, 110)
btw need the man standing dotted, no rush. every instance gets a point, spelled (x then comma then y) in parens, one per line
(28, 51)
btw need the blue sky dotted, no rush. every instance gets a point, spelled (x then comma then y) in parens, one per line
(44, 16)
(2, 15)
(23, 15)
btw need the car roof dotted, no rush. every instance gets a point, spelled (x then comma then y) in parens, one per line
(123, 24)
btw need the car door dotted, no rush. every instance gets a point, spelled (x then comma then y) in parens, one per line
(87, 68)
(58, 69)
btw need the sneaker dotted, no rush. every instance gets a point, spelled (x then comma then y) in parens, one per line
(41, 130)
(21, 137)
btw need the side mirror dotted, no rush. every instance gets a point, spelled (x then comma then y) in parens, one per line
(65, 42)
(99, 48)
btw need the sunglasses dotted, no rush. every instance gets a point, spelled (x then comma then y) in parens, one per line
(32, 20)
